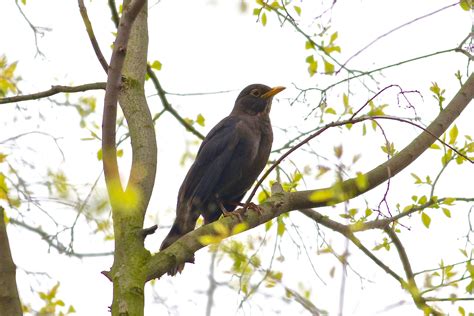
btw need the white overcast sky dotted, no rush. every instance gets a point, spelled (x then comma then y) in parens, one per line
(207, 46)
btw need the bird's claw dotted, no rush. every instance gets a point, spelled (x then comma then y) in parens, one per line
(236, 213)
(255, 207)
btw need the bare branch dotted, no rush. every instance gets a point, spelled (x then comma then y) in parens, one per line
(167, 105)
(54, 90)
(37, 30)
(54, 243)
(393, 30)
(90, 32)
(411, 287)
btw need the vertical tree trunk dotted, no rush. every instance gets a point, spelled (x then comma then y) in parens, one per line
(128, 213)
(9, 300)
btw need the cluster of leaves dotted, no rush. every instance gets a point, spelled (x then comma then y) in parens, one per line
(51, 304)
(323, 44)
(8, 79)
(322, 49)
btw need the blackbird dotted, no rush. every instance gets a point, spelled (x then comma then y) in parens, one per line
(228, 162)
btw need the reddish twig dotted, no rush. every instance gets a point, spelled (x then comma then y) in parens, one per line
(352, 120)
(92, 38)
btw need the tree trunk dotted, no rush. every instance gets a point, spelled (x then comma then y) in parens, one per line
(128, 209)
(9, 300)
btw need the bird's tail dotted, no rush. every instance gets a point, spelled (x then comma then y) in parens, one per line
(176, 232)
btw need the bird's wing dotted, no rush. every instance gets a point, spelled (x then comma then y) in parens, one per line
(213, 157)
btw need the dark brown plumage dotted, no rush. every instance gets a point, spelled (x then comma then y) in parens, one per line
(227, 164)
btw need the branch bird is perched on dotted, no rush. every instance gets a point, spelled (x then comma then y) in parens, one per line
(227, 164)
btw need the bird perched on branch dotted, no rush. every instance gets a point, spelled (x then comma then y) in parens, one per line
(228, 162)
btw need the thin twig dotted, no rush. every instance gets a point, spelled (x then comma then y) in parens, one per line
(92, 38)
(393, 30)
(167, 105)
(57, 245)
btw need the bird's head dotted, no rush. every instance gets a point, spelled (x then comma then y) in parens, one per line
(255, 99)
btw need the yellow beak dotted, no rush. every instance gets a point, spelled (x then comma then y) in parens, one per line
(272, 92)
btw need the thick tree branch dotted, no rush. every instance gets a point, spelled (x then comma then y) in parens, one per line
(54, 90)
(281, 202)
(125, 83)
(109, 149)
(303, 199)
(9, 298)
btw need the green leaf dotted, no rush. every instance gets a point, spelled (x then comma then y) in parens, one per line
(368, 212)
(99, 154)
(297, 9)
(423, 200)
(333, 37)
(200, 120)
(328, 67)
(466, 5)
(435, 146)
(361, 181)
(446, 212)
(268, 225)
(264, 19)
(240, 227)
(345, 100)
(453, 134)
(330, 111)
(71, 310)
(449, 201)
(470, 289)
(120, 153)
(321, 195)
(2, 157)
(309, 45)
(313, 68)
(425, 219)
(417, 179)
(156, 65)
(338, 151)
(280, 226)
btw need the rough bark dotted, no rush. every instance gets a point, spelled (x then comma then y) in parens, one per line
(126, 83)
(9, 299)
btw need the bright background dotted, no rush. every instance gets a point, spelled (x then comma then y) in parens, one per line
(208, 46)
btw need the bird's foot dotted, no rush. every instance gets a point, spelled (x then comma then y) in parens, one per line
(239, 213)
(255, 207)
(235, 213)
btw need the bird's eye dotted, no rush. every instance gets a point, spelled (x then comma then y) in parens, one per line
(255, 93)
